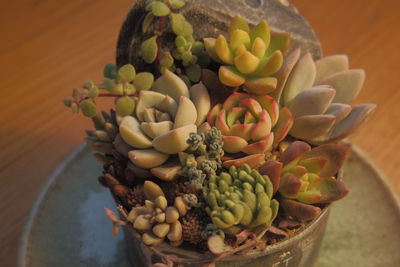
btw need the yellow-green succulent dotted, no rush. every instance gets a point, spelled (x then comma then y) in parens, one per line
(250, 56)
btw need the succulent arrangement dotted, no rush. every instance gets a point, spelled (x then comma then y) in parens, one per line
(191, 164)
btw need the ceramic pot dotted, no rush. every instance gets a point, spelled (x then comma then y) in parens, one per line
(302, 249)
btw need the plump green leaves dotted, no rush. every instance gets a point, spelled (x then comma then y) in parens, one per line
(127, 73)
(149, 50)
(177, 23)
(93, 92)
(194, 72)
(159, 9)
(143, 81)
(125, 105)
(88, 108)
(67, 102)
(110, 71)
(176, 4)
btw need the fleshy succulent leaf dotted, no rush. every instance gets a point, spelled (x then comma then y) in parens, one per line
(334, 153)
(253, 161)
(330, 65)
(339, 110)
(170, 84)
(246, 62)
(233, 144)
(307, 127)
(174, 141)
(201, 100)
(347, 83)
(331, 189)
(301, 78)
(223, 50)
(279, 41)
(289, 63)
(294, 151)
(313, 101)
(147, 158)
(260, 85)
(270, 65)
(262, 31)
(186, 113)
(283, 125)
(346, 126)
(230, 76)
(272, 169)
(132, 134)
(300, 211)
(238, 23)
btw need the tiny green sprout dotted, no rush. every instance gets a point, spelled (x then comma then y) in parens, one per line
(159, 9)
(88, 84)
(93, 92)
(125, 105)
(74, 108)
(149, 49)
(193, 72)
(110, 71)
(143, 81)
(76, 95)
(88, 108)
(68, 102)
(126, 73)
(177, 24)
(176, 4)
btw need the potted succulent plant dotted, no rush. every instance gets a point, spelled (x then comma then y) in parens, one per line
(222, 149)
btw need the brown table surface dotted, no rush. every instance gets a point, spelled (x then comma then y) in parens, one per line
(48, 47)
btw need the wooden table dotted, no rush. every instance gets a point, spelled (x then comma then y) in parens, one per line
(48, 47)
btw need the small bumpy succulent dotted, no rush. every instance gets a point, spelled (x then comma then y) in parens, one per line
(163, 119)
(318, 94)
(205, 158)
(240, 199)
(157, 221)
(251, 124)
(251, 56)
(307, 177)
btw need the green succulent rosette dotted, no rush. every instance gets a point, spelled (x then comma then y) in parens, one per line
(163, 119)
(240, 199)
(249, 57)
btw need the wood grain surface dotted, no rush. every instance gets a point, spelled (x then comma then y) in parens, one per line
(48, 47)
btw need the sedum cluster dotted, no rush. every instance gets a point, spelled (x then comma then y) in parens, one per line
(240, 161)
(240, 199)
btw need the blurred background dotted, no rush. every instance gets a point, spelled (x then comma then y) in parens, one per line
(48, 47)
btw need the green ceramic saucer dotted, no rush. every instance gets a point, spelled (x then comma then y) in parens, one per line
(67, 225)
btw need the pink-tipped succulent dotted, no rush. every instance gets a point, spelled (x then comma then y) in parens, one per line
(250, 57)
(251, 124)
(307, 176)
(318, 94)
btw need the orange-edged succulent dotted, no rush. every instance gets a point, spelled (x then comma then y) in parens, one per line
(251, 124)
(250, 56)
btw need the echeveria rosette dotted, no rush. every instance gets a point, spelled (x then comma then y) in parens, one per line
(164, 118)
(318, 94)
(251, 124)
(240, 199)
(306, 176)
(250, 57)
